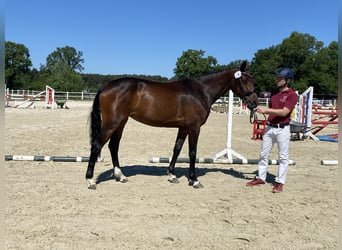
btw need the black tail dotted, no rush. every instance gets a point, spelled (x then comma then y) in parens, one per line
(96, 122)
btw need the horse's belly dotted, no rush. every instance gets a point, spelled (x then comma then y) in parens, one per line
(159, 121)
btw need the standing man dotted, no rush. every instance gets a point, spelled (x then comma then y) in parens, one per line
(282, 102)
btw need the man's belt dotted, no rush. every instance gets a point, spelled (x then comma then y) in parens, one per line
(278, 125)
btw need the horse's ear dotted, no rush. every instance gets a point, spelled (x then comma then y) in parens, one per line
(244, 67)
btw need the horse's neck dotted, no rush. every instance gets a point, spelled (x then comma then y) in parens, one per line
(215, 85)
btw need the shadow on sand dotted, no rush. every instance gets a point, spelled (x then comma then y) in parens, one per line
(180, 171)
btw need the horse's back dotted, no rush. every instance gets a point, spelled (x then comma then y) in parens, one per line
(134, 90)
(164, 104)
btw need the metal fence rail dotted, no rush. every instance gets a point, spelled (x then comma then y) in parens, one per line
(21, 95)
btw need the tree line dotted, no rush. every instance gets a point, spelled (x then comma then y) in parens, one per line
(313, 64)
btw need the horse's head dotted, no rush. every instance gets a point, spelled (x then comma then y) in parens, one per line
(245, 86)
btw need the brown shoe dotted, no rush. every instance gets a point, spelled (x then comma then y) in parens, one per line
(277, 188)
(255, 182)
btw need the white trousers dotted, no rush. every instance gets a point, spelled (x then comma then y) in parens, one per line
(280, 136)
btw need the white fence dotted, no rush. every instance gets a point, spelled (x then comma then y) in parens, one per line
(21, 95)
(221, 105)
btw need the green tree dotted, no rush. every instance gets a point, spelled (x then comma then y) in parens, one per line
(37, 80)
(296, 49)
(312, 63)
(69, 55)
(321, 70)
(299, 52)
(62, 69)
(263, 67)
(17, 64)
(62, 78)
(192, 63)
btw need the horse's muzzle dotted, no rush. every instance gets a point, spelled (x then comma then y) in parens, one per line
(251, 99)
(252, 105)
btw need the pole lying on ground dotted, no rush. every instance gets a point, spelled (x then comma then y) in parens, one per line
(47, 158)
(215, 161)
(329, 162)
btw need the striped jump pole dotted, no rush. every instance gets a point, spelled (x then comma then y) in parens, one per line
(216, 161)
(47, 158)
(329, 162)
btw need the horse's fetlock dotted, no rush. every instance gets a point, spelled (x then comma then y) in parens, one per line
(91, 184)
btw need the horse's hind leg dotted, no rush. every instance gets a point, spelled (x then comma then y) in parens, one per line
(114, 149)
(182, 133)
(95, 151)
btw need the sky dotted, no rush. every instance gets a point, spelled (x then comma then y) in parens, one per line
(148, 36)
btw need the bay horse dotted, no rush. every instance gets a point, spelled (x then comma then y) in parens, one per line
(184, 104)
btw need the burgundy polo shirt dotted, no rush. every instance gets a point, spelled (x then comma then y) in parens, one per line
(280, 100)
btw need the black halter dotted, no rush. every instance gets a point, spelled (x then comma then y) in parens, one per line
(253, 105)
(237, 76)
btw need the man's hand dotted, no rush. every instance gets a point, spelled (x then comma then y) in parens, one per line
(270, 111)
(261, 109)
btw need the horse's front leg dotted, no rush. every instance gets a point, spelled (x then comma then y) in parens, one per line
(193, 140)
(176, 150)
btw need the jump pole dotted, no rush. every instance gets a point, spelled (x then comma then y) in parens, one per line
(48, 158)
(32, 99)
(329, 162)
(228, 152)
(216, 161)
(49, 97)
(225, 156)
(303, 112)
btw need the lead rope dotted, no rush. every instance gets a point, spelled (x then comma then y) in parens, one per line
(254, 117)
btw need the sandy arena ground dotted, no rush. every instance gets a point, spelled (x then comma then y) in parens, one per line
(50, 207)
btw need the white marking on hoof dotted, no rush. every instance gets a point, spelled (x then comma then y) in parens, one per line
(173, 179)
(91, 184)
(197, 184)
(123, 179)
(119, 176)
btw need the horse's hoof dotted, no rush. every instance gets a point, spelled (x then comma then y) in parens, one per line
(195, 184)
(173, 179)
(92, 186)
(124, 179)
(119, 176)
